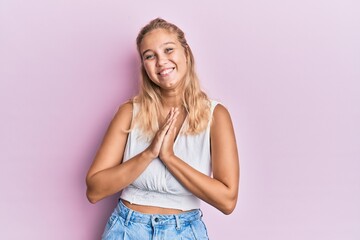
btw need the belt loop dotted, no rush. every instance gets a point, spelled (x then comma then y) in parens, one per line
(201, 213)
(128, 217)
(177, 222)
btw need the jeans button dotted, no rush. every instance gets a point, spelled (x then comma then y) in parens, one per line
(156, 219)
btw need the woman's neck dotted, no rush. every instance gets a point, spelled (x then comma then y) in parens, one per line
(171, 99)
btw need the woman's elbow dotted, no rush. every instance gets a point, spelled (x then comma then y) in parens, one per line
(229, 204)
(228, 208)
(91, 197)
(90, 193)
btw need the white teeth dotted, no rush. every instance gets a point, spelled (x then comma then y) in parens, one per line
(166, 71)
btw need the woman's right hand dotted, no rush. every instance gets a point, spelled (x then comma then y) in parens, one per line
(154, 149)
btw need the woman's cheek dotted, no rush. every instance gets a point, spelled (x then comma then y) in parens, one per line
(148, 70)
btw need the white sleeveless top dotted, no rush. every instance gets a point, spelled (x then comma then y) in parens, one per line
(156, 186)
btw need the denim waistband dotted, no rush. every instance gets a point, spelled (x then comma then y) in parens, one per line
(156, 219)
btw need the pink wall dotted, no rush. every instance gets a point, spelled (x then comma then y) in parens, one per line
(288, 71)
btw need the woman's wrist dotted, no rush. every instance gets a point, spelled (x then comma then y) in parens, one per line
(166, 158)
(148, 154)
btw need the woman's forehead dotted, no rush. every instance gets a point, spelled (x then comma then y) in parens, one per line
(158, 37)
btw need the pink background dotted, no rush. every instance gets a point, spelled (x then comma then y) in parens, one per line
(288, 71)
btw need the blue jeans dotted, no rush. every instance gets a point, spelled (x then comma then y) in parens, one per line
(125, 223)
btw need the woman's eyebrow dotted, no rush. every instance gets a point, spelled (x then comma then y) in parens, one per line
(146, 51)
(160, 46)
(168, 43)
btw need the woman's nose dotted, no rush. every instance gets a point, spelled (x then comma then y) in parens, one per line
(162, 60)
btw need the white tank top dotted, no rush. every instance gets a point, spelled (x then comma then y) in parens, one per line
(156, 186)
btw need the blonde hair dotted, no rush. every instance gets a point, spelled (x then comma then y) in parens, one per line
(194, 100)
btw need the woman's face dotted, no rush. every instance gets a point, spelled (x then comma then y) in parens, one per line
(164, 58)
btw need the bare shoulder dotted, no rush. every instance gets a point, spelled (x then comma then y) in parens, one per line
(125, 108)
(123, 116)
(221, 126)
(221, 114)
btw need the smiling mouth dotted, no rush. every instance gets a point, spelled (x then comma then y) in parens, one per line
(166, 71)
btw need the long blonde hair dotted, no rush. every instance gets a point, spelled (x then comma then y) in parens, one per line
(194, 100)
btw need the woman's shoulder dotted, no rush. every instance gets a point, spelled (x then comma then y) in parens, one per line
(217, 107)
(123, 115)
(219, 111)
(126, 107)
(221, 122)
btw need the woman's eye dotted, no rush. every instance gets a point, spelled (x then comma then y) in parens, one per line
(149, 56)
(168, 50)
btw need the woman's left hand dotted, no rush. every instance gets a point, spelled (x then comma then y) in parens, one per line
(167, 147)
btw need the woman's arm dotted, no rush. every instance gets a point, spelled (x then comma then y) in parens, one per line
(108, 175)
(221, 190)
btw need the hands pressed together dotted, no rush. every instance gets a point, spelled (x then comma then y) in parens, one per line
(163, 142)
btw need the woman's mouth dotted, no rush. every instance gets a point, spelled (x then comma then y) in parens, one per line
(166, 71)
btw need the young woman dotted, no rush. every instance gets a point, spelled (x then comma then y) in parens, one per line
(166, 149)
